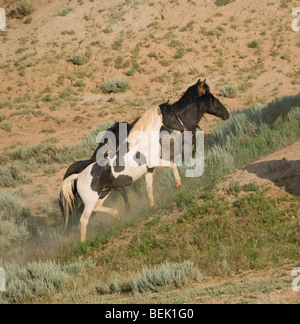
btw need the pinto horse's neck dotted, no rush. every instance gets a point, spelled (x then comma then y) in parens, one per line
(151, 121)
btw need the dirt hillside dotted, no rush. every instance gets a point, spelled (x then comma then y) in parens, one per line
(279, 171)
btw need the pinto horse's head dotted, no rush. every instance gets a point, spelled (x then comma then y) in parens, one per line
(170, 119)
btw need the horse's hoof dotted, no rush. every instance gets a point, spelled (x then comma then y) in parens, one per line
(178, 185)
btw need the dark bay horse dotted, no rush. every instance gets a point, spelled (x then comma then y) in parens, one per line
(194, 103)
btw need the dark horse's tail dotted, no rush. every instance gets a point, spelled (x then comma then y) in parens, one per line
(67, 198)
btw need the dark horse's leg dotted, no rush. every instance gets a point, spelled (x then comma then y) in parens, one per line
(136, 188)
(194, 141)
(124, 195)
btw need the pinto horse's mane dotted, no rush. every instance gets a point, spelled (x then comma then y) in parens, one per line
(147, 120)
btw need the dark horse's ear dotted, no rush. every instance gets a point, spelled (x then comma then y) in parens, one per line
(201, 82)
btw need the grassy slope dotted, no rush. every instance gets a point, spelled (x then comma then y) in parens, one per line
(219, 235)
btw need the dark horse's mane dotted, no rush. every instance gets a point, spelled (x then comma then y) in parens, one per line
(190, 96)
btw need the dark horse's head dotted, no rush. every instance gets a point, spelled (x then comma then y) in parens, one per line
(215, 107)
(170, 119)
(206, 102)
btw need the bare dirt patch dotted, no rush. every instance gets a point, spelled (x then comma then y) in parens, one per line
(279, 171)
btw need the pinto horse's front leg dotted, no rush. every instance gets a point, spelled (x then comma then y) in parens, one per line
(164, 164)
(149, 178)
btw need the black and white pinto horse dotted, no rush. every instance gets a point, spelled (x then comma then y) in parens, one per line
(79, 166)
(93, 184)
(190, 108)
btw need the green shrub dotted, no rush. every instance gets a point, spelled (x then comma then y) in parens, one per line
(13, 226)
(6, 127)
(64, 12)
(13, 175)
(235, 188)
(24, 8)
(155, 279)
(115, 85)
(179, 53)
(229, 91)
(79, 58)
(36, 280)
(221, 3)
(117, 44)
(41, 279)
(255, 44)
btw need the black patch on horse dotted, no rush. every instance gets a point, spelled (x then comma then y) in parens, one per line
(120, 161)
(104, 194)
(140, 159)
(96, 173)
(122, 181)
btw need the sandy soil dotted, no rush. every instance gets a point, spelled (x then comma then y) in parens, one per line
(279, 171)
(35, 60)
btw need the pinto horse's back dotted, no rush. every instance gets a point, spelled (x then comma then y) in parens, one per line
(78, 167)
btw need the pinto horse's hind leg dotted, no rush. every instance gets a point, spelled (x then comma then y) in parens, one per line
(94, 207)
(84, 220)
(149, 184)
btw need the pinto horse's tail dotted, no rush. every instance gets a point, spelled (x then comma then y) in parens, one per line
(67, 198)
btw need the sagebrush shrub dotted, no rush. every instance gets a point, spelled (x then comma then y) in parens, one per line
(221, 3)
(115, 85)
(229, 91)
(13, 227)
(24, 8)
(79, 58)
(154, 279)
